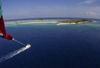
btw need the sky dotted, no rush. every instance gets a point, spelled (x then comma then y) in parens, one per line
(17, 9)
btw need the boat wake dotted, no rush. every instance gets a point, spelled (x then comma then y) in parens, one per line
(14, 53)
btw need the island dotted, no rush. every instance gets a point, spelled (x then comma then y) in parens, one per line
(64, 22)
(47, 21)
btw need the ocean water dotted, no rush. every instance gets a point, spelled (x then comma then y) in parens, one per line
(70, 46)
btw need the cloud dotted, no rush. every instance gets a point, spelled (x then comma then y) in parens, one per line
(88, 1)
(93, 12)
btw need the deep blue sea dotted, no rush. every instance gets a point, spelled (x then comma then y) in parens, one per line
(69, 46)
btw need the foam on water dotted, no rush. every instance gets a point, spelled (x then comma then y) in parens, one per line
(14, 53)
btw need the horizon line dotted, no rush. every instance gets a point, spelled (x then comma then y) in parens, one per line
(50, 18)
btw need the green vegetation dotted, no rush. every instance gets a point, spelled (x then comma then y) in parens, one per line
(75, 21)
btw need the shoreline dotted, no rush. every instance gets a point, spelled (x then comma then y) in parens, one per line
(64, 24)
(56, 22)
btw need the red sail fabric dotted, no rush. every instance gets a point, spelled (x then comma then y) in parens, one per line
(3, 30)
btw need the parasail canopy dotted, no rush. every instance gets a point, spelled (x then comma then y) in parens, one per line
(3, 32)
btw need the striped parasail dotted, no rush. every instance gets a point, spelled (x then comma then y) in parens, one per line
(3, 32)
